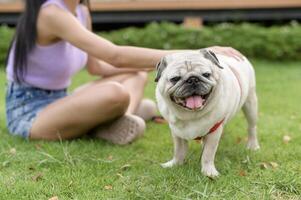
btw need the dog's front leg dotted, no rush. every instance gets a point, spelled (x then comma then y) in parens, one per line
(180, 151)
(211, 142)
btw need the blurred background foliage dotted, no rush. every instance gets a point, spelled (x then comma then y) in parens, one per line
(278, 43)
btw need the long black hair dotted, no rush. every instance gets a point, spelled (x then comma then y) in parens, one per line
(25, 37)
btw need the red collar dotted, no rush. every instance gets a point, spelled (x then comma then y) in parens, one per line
(213, 128)
(218, 124)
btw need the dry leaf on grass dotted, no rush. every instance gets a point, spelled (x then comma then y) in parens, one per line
(120, 175)
(286, 139)
(247, 160)
(274, 165)
(108, 187)
(125, 167)
(13, 151)
(54, 198)
(238, 140)
(264, 165)
(242, 173)
(5, 163)
(37, 177)
(38, 146)
(241, 139)
(267, 165)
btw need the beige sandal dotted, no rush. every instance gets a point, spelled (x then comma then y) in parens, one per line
(122, 131)
(147, 109)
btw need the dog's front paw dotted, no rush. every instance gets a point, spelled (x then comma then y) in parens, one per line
(253, 144)
(169, 164)
(210, 171)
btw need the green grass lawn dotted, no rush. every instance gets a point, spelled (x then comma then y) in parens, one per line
(92, 169)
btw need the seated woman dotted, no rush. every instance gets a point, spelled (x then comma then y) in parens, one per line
(53, 41)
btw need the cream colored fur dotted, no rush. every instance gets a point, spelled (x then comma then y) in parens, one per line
(234, 89)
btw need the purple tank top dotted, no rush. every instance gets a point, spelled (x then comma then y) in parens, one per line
(51, 67)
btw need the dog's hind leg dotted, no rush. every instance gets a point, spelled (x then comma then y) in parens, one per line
(180, 151)
(250, 109)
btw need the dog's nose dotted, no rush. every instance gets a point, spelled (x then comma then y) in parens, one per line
(193, 80)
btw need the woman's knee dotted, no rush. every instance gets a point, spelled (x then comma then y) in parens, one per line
(142, 77)
(117, 96)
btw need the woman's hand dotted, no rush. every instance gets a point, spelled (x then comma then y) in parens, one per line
(227, 51)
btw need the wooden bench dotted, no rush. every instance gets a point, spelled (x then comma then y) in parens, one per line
(140, 5)
(110, 12)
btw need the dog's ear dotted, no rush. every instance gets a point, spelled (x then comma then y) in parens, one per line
(211, 56)
(162, 64)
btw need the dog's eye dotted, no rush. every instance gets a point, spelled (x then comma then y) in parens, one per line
(175, 79)
(206, 75)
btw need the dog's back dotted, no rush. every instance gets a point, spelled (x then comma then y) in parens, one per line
(244, 76)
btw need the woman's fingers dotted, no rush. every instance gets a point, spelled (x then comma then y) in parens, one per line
(236, 53)
(228, 51)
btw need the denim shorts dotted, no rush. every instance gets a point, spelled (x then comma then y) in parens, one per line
(23, 103)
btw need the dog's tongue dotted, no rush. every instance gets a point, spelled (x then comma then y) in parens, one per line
(194, 102)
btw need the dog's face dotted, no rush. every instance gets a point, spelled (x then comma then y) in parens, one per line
(188, 79)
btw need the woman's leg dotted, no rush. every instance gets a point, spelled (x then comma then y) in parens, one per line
(135, 86)
(134, 83)
(89, 106)
(75, 115)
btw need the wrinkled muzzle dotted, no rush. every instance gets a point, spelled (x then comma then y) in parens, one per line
(192, 94)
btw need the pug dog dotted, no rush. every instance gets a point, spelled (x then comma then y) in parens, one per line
(198, 92)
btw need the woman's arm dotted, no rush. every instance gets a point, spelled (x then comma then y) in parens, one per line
(99, 67)
(65, 26)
